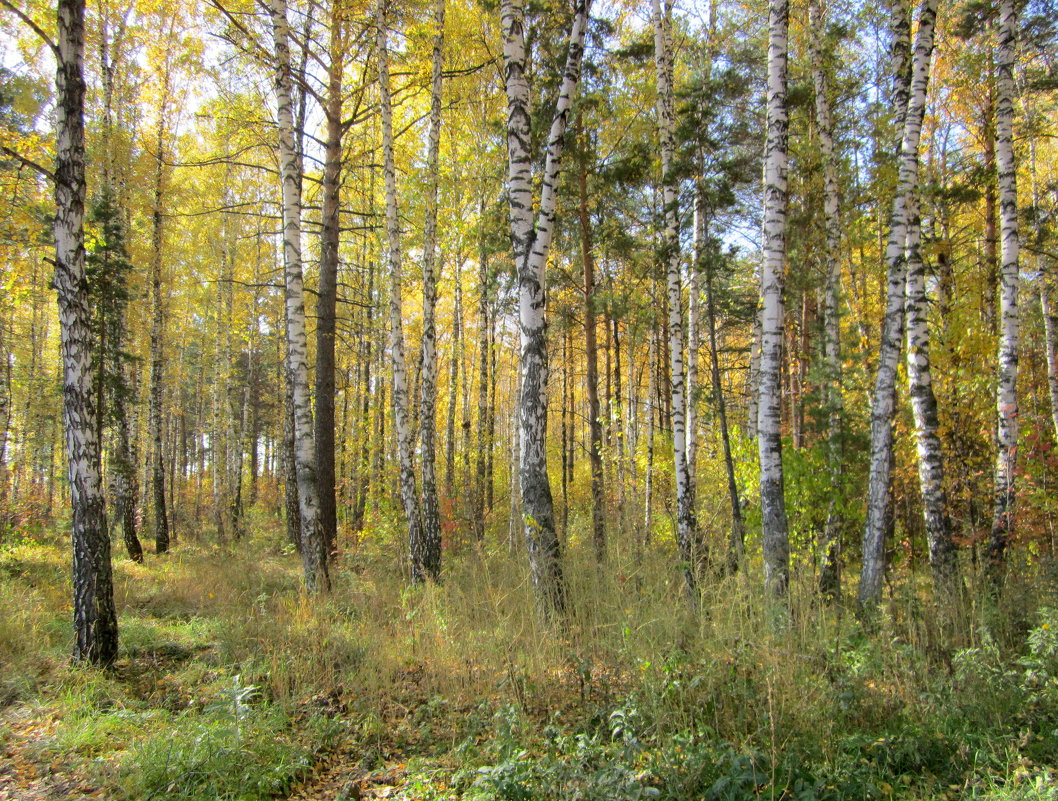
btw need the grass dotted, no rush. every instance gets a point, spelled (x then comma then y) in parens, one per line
(231, 684)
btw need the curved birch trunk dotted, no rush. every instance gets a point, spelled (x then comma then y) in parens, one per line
(313, 551)
(430, 556)
(94, 616)
(942, 556)
(879, 494)
(1006, 388)
(830, 546)
(400, 394)
(687, 538)
(769, 436)
(530, 241)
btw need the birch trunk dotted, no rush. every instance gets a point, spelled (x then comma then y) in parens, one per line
(769, 436)
(879, 492)
(484, 443)
(1050, 333)
(531, 240)
(942, 556)
(94, 616)
(313, 550)
(400, 396)
(591, 360)
(1006, 388)
(161, 518)
(830, 546)
(694, 339)
(688, 540)
(431, 521)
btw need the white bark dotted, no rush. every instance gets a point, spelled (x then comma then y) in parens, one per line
(531, 241)
(687, 537)
(401, 418)
(429, 556)
(942, 557)
(879, 498)
(95, 620)
(769, 436)
(1006, 388)
(313, 554)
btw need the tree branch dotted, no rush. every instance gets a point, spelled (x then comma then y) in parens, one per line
(33, 25)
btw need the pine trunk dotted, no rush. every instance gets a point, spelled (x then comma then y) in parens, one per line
(327, 297)
(830, 546)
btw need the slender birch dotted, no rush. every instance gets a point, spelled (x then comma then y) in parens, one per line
(772, 494)
(313, 550)
(161, 517)
(431, 521)
(1006, 387)
(688, 539)
(879, 494)
(94, 616)
(400, 395)
(942, 557)
(531, 241)
(591, 360)
(830, 546)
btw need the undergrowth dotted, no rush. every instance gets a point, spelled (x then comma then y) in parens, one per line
(231, 684)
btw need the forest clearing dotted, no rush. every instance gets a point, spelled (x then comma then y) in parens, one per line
(441, 399)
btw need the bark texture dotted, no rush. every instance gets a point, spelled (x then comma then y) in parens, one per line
(400, 395)
(431, 518)
(769, 436)
(1006, 387)
(688, 540)
(313, 551)
(879, 495)
(942, 556)
(94, 616)
(531, 236)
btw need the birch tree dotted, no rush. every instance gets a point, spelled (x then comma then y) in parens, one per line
(688, 540)
(1006, 387)
(879, 494)
(942, 557)
(531, 236)
(95, 619)
(769, 438)
(401, 415)
(431, 520)
(313, 552)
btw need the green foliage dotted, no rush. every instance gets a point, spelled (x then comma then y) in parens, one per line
(234, 751)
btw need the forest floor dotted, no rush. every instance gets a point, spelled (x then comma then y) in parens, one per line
(231, 684)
